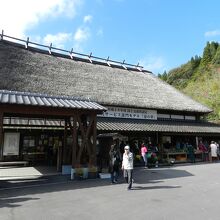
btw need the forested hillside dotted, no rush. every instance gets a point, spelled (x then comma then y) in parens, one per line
(200, 78)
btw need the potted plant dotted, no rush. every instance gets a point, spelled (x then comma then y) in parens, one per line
(78, 173)
(92, 174)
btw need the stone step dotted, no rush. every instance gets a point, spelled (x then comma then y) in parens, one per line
(13, 163)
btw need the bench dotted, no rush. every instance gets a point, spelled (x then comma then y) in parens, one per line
(13, 163)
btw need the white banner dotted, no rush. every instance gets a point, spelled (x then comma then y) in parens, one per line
(118, 112)
(11, 144)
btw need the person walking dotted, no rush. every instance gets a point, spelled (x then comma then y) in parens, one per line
(191, 152)
(204, 151)
(213, 148)
(114, 162)
(144, 154)
(127, 166)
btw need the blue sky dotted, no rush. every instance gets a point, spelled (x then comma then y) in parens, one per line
(159, 34)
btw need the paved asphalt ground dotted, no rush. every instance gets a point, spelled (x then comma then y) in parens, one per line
(176, 193)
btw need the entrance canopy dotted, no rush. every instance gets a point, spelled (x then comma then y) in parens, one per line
(78, 114)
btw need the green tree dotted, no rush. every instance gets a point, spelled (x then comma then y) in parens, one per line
(213, 48)
(216, 59)
(207, 56)
(163, 76)
(195, 61)
(199, 78)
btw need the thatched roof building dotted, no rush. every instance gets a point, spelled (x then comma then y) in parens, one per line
(139, 105)
(35, 70)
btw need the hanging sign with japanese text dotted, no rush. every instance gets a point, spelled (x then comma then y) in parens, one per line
(119, 112)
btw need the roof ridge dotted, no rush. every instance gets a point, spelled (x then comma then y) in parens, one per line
(71, 54)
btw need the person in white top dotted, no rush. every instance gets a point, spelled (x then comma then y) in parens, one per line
(127, 166)
(213, 148)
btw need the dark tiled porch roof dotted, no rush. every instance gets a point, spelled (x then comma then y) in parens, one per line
(112, 124)
(34, 99)
(115, 125)
(32, 122)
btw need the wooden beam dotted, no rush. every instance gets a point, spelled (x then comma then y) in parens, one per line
(85, 134)
(38, 111)
(81, 147)
(88, 135)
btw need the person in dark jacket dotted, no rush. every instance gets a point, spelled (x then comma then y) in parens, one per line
(114, 163)
(191, 153)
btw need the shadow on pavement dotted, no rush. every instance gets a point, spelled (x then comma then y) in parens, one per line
(143, 175)
(14, 202)
(10, 190)
(154, 187)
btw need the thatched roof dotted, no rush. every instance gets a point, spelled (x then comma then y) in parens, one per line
(36, 71)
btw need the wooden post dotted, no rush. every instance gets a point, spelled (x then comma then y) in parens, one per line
(1, 135)
(94, 139)
(59, 158)
(197, 142)
(157, 138)
(85, 131)
(74, 135)
(64, 143)
(160, 145)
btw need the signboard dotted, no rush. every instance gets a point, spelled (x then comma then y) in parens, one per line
(193, 118)
(166, 139)
(118, 112)
(177, 117)
(11, 144)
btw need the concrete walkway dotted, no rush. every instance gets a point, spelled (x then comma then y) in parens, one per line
(187, 192)
(10, 173)
(13, 172)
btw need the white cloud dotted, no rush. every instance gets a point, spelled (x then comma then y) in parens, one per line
(100, 32)
(16, 17)
(87, 18)
(212, 33)
(57, 40)
(78, 48)
(82, 34)
(153, 64)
